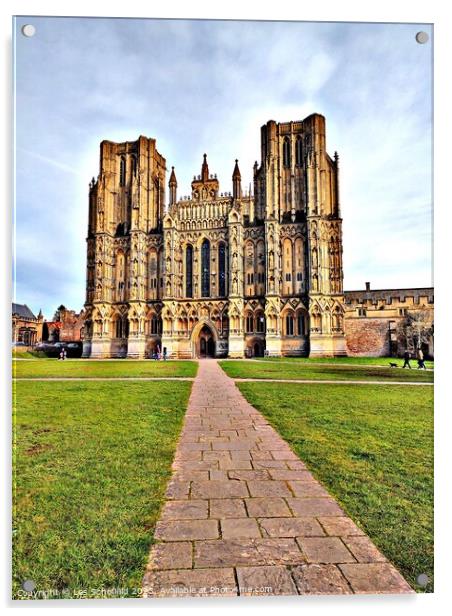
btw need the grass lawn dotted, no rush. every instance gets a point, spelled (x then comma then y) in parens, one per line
(21, 354)
(372, 447)
(119, 368)
(306, 369)
(91, 462)
(356, 361)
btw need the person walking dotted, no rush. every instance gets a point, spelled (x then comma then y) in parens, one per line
(420, 360)
(406, 363)
(164, 353)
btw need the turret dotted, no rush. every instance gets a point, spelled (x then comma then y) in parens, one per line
(337, 204)
(204, 169)
(236, 181)
(204, 186)
(172, 187)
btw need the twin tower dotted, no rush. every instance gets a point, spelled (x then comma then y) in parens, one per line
(217, 274)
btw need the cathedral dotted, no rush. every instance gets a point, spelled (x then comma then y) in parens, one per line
(217, 274)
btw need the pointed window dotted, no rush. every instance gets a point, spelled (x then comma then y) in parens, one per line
(205, 269)
(189, 271)
(222, 270)
(300, 325)
(154, 325)
(122, 171)
(286, 152)
(289, 325)
(299, 152)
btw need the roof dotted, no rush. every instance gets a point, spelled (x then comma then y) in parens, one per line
(403, 289)
(22, 310)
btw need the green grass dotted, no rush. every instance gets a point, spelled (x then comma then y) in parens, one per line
(357, 361)
(119, 368)
(299, 369)
(20, 354)
(372, 447)
(91, 462)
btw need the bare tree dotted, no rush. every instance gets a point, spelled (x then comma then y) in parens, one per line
(415, 329)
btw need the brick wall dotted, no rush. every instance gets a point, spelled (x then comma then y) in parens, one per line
(367, 337)
(71, 325)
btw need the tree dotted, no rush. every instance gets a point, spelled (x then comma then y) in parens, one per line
(415, 329)
(58, 316)
(45, 331)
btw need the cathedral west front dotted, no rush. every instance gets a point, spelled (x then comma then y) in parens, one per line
(217, 274)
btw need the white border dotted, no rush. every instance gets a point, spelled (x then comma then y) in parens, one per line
(434, 11)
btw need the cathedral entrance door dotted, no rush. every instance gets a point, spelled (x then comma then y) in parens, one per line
(210, 347)
(206, 343)
(258, 350)
(202, 347)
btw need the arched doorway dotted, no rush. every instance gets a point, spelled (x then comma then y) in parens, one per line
(258, 349)
(255, 347)
(206, 343)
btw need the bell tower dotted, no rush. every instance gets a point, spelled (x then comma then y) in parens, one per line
(126, 203)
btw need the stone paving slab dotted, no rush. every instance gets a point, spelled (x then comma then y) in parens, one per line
(244, 516)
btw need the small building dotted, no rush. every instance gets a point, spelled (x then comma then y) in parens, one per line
(66, 326)
(376, 321)
(26, 327)
(72, 323)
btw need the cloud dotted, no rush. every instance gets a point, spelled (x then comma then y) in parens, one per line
(208, 86)
(50, 161)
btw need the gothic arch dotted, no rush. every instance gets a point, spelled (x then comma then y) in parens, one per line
(196, 333)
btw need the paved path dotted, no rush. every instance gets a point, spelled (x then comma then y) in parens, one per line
(244, 516)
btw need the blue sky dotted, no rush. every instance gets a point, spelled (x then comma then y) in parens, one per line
(208, 86)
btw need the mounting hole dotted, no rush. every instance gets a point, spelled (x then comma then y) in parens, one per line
(422, 580)
(28, 585)
(422, 38)
(28, 30)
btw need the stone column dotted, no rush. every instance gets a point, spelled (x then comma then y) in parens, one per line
(236, 298)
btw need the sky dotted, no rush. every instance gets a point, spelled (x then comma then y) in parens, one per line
(208, 86)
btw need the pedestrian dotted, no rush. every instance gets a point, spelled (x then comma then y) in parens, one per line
(420, 360)
(61, 356)
(164, 353)
(157, 352)
(406, 357)
(64, 353)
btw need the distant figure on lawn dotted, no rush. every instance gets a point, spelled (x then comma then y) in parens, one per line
(165, 353)
(406, 357)
(420, 360)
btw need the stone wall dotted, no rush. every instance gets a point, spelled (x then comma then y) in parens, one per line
(367, 337)
(71, 326)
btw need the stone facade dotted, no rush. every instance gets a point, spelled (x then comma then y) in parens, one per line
(373, 318)
(217, 274)
(26, 327)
